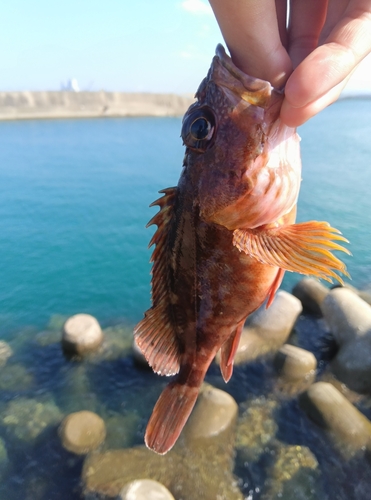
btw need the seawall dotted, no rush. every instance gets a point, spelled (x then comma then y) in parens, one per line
(31, 105)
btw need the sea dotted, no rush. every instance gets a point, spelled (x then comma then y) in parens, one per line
(74, 203)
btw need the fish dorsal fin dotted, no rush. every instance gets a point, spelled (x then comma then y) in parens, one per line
(155, 335)
(302, 248)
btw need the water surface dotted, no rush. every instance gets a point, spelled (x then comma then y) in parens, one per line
(74, 201)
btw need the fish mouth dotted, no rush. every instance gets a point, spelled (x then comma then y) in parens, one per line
(225, 74)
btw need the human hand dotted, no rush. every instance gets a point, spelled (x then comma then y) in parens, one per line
(313, 57)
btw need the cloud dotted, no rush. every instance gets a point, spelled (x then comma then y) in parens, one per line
(186, 55)
(196, 7)
(194, 53)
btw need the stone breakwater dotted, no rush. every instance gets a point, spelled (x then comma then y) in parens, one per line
(41, 105)
(294, 418)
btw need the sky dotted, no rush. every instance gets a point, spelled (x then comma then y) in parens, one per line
(113, 45)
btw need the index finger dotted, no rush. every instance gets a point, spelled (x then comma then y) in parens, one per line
(329, 64)
(251, 31)
(306, 22)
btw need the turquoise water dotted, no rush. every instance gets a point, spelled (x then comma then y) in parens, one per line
(336, 153)
(74, 204)
(74, 201)
(74, 198)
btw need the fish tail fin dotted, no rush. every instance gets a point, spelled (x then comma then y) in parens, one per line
(169, 416)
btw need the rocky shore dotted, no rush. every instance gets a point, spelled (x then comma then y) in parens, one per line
(63, 104)
(294, 416)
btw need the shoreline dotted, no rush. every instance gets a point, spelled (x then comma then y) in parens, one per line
(27, 105)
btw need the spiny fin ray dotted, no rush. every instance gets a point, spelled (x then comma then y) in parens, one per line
(155, 335)
(303, 248)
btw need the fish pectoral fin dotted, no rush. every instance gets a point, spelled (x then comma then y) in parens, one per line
(228, 352)
(304, 248)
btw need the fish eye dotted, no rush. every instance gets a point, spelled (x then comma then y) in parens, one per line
(198, 128)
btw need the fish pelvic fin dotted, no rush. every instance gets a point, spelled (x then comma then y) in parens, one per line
(275, 286)
(228, 352)
(304, 248)
(169, 416)
(155, 335)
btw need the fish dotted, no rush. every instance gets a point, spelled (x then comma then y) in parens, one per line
(225, 236)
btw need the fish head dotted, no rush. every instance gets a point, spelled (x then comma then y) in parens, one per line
(242, 162)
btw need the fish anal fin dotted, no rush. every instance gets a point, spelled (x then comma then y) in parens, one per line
(169, 416)
(304, 248)
(275, 286)
(156, 335)
(228, 352)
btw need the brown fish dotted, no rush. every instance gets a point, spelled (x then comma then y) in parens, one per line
(225, 237)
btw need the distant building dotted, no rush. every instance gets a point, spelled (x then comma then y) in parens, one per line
(71, 85)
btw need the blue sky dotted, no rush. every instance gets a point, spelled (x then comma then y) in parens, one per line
(139, 45)
(123, 45)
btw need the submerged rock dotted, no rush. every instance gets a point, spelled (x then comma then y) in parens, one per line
(82, 432)
(121, 429)
(27, 418)
(56, 322)
(294, 362)
(36, 487)
(47, 337)
(293, 475)
(52, 333)
(215, 412)
(15, 377)
(328, 376)
(183, 474)
(267, 329)
(3, 457)
(5, 352)
(296, 367)
(203, 452)
(349, 318)
(256, 428)
(145, 489)
(350, 429)
(77, 393)
(363, 294)
(352, 365)
(105, 474)
(311, 294)
(81, 333)
(117, 343)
